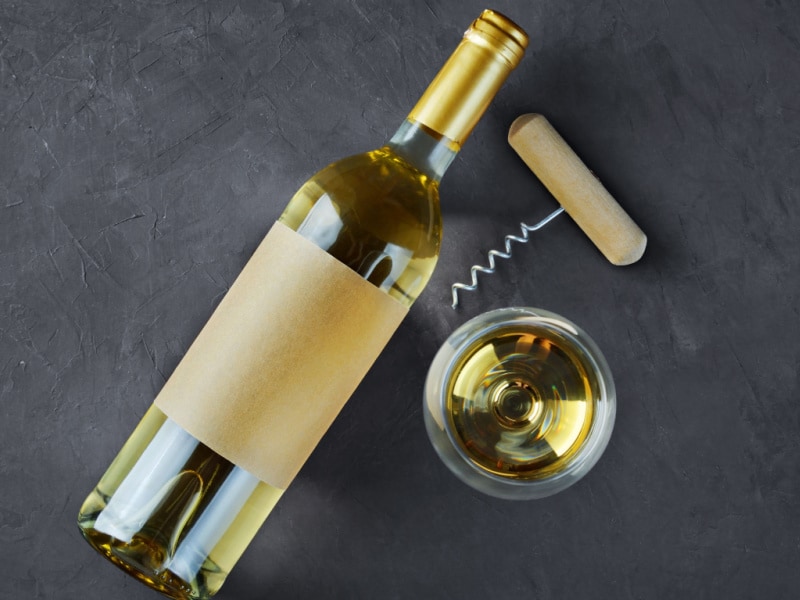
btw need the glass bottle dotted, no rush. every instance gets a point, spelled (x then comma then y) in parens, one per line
(175, 511)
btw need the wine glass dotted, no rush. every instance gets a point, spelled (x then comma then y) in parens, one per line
(519, 403)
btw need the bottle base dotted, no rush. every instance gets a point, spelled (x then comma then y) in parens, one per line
(136, 559)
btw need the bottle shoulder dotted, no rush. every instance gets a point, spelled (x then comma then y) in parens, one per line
(376, 213)
(374, 180)
(378, 191)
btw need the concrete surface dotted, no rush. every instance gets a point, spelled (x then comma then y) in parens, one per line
(146, 147)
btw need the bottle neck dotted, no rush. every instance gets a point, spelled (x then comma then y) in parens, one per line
(424, 148)
(447, 112)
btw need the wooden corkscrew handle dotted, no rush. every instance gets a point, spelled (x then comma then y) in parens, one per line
(576, 188)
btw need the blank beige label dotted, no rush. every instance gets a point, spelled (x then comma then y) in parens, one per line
(280, 356)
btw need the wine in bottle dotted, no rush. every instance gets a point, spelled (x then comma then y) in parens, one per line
(290, 341)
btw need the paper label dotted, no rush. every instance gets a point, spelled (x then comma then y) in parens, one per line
(280, 356)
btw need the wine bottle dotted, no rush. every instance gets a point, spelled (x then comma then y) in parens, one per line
(290, 341)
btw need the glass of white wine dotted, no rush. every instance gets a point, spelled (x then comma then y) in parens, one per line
(519, 403)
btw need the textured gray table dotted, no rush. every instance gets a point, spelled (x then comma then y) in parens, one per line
(146, 148)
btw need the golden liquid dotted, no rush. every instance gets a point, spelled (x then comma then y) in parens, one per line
(521, 401)
(162, 522)
(378, 215)
(172, 512)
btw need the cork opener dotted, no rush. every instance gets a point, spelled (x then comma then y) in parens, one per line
(580, 194)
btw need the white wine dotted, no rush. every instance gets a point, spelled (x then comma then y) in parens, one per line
(522, 400)
(198, 476)
(172, 512)
(519, 403)
(170, 478)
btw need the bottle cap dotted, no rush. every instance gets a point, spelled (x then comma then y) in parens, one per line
(500, 34)
(459, 95)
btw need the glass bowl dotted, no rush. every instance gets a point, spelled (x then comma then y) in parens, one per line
(519, 403)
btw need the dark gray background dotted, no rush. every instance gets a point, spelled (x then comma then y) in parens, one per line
(147, 147)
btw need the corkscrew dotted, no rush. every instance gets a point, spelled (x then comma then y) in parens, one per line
(578, 191)
(509, 239)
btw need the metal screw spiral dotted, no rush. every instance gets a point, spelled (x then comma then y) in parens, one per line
(509, 239)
